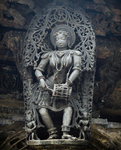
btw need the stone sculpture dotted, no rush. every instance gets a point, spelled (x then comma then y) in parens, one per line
(30, 126)
(58, 71)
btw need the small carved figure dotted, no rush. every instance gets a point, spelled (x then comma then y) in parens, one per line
(84, 127)
(30, 127)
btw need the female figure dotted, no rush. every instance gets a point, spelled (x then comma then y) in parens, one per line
(30, 126)
(66, 67)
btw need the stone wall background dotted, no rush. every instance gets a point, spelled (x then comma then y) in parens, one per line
(15, 16)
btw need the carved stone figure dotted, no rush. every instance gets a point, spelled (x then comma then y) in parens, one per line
(30, 127)
(66, 67)
(58, 71)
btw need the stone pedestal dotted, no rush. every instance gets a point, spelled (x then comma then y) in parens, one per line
(58, 144)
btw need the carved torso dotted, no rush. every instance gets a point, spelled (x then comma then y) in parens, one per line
(60, 63)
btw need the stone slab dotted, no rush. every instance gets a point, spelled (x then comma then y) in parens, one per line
(114, 125)
(99, 121)
(58, 142)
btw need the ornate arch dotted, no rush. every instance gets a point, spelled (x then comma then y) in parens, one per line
(36, 38)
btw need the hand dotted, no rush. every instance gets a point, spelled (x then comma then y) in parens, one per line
(28, 130)
(68, 82)
(42, 83)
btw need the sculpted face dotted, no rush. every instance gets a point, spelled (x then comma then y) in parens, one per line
(61, 39)
(28, 116)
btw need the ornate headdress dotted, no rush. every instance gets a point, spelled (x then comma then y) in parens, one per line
(65, 28)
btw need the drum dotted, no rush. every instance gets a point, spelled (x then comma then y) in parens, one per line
(62, 91)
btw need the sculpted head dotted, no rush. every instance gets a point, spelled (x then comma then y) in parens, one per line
(61, 39)
(28, 115)
(62, 36)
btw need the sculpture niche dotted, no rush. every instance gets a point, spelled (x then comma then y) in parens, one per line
(58, 74)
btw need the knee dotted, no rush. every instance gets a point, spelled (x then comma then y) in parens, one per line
(43, 111)
(68, 109)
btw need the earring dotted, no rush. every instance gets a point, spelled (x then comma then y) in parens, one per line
(69, 44)
(55, 47)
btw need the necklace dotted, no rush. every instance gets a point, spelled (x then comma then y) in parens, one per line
(60, 59)
(61, 64)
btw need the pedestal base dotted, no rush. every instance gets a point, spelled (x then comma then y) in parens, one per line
(57, 142)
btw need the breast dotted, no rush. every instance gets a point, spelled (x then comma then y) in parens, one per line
(58, 62)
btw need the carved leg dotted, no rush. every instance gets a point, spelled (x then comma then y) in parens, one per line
(46, 118)
(48, 122)
(32, 134)
(66, 122)
(67, 116)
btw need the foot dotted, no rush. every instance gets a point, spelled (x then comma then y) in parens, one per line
(67, 136)
(53, 136)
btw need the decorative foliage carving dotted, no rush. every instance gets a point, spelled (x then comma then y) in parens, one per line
(39, 28)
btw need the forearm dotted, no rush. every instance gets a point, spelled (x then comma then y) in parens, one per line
(74, 75)
(40, 78)
(33, 128)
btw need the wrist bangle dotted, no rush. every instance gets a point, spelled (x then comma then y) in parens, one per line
(41, 77)
(69, 82)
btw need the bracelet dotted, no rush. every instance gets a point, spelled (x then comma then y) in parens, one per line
(69, 82)
(41, 77)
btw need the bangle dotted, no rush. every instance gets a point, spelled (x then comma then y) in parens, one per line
(41, 77)
(69, 82)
